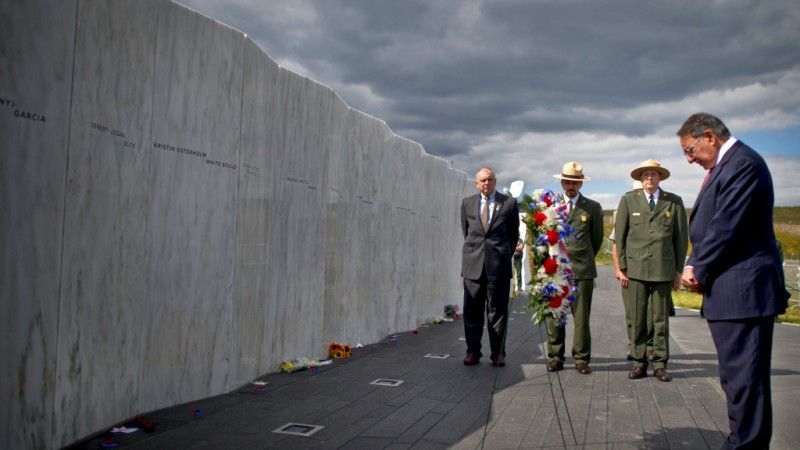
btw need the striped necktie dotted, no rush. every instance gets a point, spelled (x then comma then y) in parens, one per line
(485, 214)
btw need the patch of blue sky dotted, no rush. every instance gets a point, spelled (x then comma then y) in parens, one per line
(784, 142)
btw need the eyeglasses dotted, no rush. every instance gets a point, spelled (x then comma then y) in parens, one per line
(689, 151)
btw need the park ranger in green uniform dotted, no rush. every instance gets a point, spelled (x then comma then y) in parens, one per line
(652, 239)
(586, 216)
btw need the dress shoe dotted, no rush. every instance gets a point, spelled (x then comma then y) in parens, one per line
(498, 360)
(661, 374)
(554, 365)
(471, 359)
(672, 312)
(637, 372)
(629, 357)
(583, 367)
(651, 356)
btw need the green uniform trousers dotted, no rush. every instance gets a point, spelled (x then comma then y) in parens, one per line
(627, 303)
(582, 340)
(649, 304)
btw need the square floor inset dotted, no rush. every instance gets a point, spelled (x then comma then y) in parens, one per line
(298, 429)
(387, 382)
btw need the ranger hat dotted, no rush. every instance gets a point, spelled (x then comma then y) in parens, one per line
(572, 171)
(650, 164)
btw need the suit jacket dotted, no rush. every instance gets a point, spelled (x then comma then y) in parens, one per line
(491, 250)
(587, 219)
(734, 251)
(651, 245)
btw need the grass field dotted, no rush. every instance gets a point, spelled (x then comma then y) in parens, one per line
(685, 299)
(787, 231)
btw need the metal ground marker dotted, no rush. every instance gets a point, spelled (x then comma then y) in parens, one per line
(298, 429)
(387, 382)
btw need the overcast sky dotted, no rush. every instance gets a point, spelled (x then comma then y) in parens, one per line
(525, 85)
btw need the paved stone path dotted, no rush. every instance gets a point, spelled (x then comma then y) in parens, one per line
(444, 404)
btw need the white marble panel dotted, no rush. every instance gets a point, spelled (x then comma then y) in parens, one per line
(36, 40)
(100, 314)
(432, 259)
(307, 129)
(353, 263)
(192, 219)
(338, 183)
(254, 308)
(398, 232)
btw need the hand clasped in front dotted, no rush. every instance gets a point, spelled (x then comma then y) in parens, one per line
(689, 281)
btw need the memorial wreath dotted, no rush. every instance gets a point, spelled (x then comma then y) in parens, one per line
(552, 288)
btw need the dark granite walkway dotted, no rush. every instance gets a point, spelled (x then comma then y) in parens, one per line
(444, 404)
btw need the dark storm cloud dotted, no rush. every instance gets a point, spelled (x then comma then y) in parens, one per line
(464, 77)
(452, 65)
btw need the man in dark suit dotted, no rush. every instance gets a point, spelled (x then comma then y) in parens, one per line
(651, 240)
(736, 265)
(586, 216)
(490, 222)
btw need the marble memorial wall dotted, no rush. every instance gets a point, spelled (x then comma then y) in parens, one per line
(179, 215)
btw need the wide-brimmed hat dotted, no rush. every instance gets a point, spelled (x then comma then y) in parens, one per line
(650, 164)
(572, 171)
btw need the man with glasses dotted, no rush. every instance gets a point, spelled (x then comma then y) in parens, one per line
(735, 264)
(651, 239)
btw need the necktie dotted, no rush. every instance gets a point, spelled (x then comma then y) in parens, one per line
(652, 202)
(569, 209)
(708, 175)
(485, 215)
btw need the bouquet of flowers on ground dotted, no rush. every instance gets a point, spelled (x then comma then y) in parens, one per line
(552, 287)
(338, 351)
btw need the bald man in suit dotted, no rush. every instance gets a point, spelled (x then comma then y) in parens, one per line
(490, 223)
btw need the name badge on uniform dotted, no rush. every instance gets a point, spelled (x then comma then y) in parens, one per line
(636, 214)
(583, 217)
(668, 214)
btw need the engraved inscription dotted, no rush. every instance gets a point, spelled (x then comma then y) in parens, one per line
(309, 186)
(29, 115)
(7, 102)
(100, 128)
(253, 170)
(225, 164)
(21, 114)
(179, 149)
